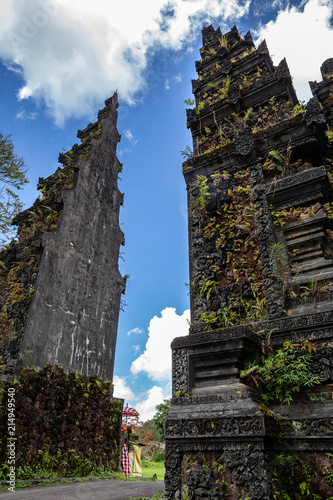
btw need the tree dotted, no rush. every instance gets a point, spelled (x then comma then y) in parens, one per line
(12, 175)
(149, 437)
(160, 416)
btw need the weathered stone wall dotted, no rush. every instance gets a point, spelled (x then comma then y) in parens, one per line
(61, 288)
(64, 422)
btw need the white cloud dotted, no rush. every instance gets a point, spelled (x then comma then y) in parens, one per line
(137, 348)
(73, 54)
(121, 389)
(169, 81)
(153, 397)
(129, 136)
(23, 115)
(305, 39)
(155, 361)
(122, 152)
(136, 330)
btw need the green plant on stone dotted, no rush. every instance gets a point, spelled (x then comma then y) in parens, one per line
(200, 107)
(189, 102)
(187, 153)
(202, 185)
(208, 287)
(223, 40)
(313, 288)
(210, 52)
(223, 90)
(259, 306)
(70, 157)
(247, 115)
(295, 480)
(286, 373)
(279, 262)
(26, 358)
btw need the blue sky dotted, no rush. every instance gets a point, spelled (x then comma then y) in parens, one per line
(60, 59)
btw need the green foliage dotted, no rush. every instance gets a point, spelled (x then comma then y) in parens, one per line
(159, 457)
(223, 91)
(210, 52)
(160, 416)
(80, 410)
(149, 468)
(286, 373)
(297, 477)
(328, 476)
(187, 153)
(26, 358)
(232, 228)
(278, 259)
(202, 184)
(224, 41)
(276, 156)
(12, 175)
(189, 102)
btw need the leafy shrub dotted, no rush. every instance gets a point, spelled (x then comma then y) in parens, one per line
(285, 374)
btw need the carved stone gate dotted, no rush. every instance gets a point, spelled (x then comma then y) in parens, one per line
(261, 269)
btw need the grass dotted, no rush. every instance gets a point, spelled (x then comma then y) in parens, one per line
(148, 470)
(151, 468)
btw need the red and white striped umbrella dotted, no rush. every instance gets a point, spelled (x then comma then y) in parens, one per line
(130, 413)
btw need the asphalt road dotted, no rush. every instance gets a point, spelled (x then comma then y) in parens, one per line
(98, 490)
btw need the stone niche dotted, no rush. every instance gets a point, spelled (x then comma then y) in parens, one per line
(259, 185)
(61, 287)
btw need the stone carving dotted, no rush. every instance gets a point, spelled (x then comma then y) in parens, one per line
(259, 84)
(202, 485)
(304, 322)
(314, 112)
(327, 68)
(244, 142)
(248, 37)
(172, 478)
(221, 52)
(262, 48)
(315, 427)
(225, 67)
(273, 288)
(212, 336)
(256, 175)
(296, 202)
(179, 372)
(314, 87)
(292, 180)
(195, 85)
(323, 364)
(208, 34)
(249, 469)
(213, 398)
(227, 426)
(282, 70)
(190, 115)
(293, 336)
(234, 93)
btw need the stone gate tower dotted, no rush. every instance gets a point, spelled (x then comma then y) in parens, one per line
(60, 284)
(261, 277)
